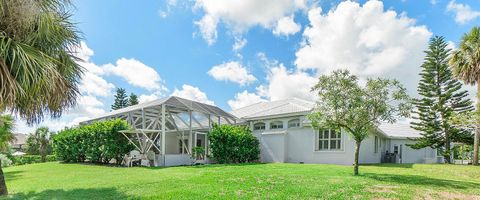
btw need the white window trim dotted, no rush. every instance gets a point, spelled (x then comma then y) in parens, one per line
(296, 127)
(264, 125)
(276, 121)
(316, 138)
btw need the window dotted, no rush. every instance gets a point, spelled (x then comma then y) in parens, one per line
(294, 123)
(395, 149)
(259, 126)
(329, 140)
(276, 125)
(375, 150)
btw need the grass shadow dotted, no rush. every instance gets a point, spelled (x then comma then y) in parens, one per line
(93, 193)
(420, 181)
(391, 165)
(12, 174)
(204, 166)
(224, 165)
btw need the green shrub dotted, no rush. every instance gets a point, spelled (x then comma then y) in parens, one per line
(99, 142)
(5, 160)
(233, 144)
(29, 159)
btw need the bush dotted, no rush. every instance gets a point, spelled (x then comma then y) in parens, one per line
(99, 142)
(233, 144)
(29, 159)
(5, 160)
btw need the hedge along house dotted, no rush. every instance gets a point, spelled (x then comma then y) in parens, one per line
(286, 135)
(165, 131)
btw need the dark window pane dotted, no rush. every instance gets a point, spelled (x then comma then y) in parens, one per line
(333, 144)
(325, 144)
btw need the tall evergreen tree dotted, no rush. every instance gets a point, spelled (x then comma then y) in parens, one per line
(132, 100)
(121, 99)
(441, 96)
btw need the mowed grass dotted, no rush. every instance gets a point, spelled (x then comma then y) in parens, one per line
(248, 181)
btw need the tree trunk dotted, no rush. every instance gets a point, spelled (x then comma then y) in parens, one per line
(3, 185)
(447, 153)
(475, 145)
(355, 164)
(477, 134)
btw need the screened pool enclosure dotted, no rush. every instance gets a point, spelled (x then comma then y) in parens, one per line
(165, 131)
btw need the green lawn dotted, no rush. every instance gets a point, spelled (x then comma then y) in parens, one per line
(261, 181)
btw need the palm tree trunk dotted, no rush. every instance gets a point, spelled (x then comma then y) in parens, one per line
(355, 164)
(477, 132)
(3, 185)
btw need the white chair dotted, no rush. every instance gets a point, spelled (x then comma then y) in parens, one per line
(134, 156)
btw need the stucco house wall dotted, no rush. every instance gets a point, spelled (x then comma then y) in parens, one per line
(296, 145)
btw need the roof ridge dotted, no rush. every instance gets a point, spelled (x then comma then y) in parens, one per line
(260, 102)
(268, 109)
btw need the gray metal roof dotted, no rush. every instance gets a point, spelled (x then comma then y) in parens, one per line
(274, 108)
(172, 101)
(398, 130)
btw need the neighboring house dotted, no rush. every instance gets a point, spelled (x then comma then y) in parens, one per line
(19, 143)
(286, 135)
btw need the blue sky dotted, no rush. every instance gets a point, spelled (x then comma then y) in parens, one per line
(234, 53)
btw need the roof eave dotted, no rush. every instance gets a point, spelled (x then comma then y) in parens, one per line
(292, 114)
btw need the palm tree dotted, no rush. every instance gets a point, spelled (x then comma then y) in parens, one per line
(39, 73)
(6, 136)
(41, 138)
(465, 64)
(38, 70)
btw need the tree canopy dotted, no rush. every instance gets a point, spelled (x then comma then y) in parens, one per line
(343, 104)
(132, 99)
(38, 69)
(121, 99)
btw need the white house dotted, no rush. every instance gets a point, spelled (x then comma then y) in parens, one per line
(165, 131)
(286, 135)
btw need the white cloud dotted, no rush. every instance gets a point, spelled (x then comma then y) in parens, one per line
(83, 52)
(286, 26)
(239, 16)
(208, 28)
(284, 84)
(92, 84)
(135, 73)
(169, 5)
(89, 106)
(192, 93)
(146, 98)
(463, 12)
(232, 71)
(367, 40)
(243, 99)
(239, 44)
